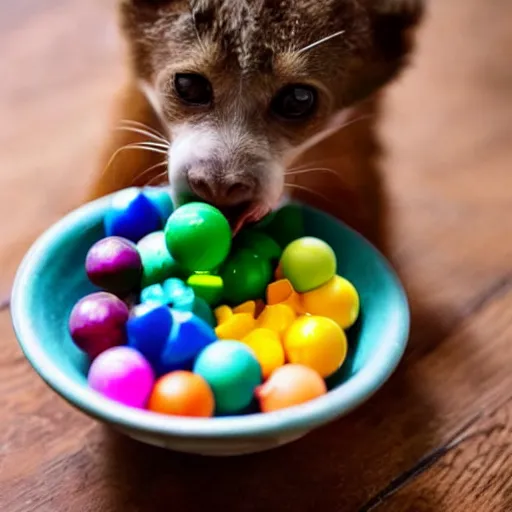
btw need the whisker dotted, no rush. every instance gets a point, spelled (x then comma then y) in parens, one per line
(143, 132)
(343, 126)
(311, 191)
(138, 124)
(133, 122)
(320, 41)
(151, 144)
(311, 169)
(356, 120)
(157, 177)
(336, 174)
(141, 145)
(314, 162)
(149, 169)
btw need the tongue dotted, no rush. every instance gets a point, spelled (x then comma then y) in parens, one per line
(253, 213)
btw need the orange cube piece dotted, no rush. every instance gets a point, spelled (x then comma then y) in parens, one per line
(282, 292)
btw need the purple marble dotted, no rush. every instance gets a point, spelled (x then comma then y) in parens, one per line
(114, 264)
(97, 323)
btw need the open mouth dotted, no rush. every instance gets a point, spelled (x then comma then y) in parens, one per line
(243, 214)
(233, 212)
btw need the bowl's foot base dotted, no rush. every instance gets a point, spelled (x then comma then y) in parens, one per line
(215, 447)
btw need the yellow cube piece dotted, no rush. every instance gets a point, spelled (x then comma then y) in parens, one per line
(246, 307)
(223, 314)
(267, 348)
(277, 318)
(236, 327)
(337, 299)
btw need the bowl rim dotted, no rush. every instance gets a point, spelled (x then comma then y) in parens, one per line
(304, 417)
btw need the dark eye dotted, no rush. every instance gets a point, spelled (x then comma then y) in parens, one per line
(294, 102)
(193, 89)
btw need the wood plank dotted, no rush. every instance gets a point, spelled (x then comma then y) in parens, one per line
(473, 472)
(448, 139)
(55, 109)
(56, 458)
(447, 133)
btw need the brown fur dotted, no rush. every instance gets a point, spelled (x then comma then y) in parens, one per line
(253, 46)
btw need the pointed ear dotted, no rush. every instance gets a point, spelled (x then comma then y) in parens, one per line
(393, 24)
(136, 12)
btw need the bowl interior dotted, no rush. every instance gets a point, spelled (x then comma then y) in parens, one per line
(52, 278)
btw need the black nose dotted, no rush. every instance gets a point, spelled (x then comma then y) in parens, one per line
(221, 191)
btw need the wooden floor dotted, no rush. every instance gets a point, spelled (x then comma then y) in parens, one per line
(437, 437)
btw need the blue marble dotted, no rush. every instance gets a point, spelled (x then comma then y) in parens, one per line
(148, 330)
(132, 215)
(189, 336)
(161, 199)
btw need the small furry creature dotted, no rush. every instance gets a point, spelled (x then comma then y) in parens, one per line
(226, 94)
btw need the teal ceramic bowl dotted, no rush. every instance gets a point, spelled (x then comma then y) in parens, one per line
(51, 279)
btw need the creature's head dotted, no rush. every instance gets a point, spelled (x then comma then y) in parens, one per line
(242, 85)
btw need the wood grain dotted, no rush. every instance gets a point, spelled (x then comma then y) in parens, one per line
(447, 136)
(75, 464)
(473, 472)
(55, 97)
